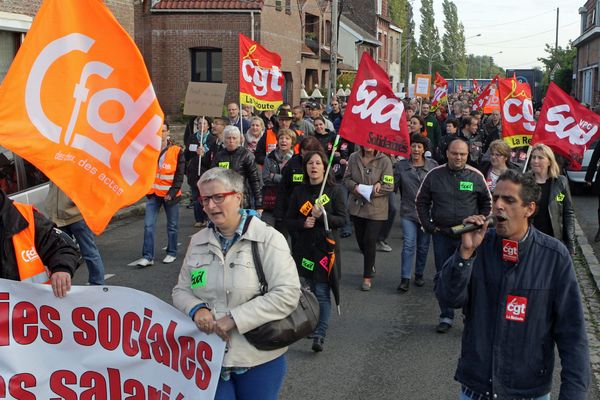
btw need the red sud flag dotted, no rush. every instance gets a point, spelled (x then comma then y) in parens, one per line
(374, 116)
(440, 93)
(78, 104)
(566, 126)
(518, 123)
(261, 80)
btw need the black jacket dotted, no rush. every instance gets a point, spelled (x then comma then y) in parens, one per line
(56, 253)
(241, 160)
(508, 351)
(593, 167)
(191, 157)
(292, 175)
(562, 214)
(446, 197)
(307, 239)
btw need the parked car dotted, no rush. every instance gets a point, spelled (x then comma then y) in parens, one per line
(577, 178)
(21, 180)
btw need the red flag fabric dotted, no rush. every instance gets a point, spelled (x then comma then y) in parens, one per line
(78, 104)
(485, 94)
(374, 116)
(566, 126)
(261, 79)
(440, 94)
(476, 87)
(518, 123)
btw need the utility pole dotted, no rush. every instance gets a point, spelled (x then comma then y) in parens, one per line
(334, 51)
(556, 40)
(408, 43)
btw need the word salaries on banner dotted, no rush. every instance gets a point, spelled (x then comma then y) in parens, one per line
(94, 344)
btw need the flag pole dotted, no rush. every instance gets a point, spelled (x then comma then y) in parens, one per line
(335, 144)
(527, 159)
(201, 144)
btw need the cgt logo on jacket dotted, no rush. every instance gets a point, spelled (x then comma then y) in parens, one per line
(516, 308)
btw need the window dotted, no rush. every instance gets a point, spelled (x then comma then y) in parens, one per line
(207, 65)
(288, 7)
(278, 5)
(9, 44)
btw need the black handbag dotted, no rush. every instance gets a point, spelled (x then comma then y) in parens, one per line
(281, 333)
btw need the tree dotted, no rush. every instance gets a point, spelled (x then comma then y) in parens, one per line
(398, 13)
(453, 43)
(429, 42)
(559, 66)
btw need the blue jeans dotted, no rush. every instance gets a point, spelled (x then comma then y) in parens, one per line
(413, 238)
(443, 247)
(261, 382)
(347, 228)
(87, 245)
(323, 295)
(153, 204)
(387, 225)
(465, 397)
(199, 214)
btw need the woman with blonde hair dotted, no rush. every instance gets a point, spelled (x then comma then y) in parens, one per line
(555, 215)
(254, 133)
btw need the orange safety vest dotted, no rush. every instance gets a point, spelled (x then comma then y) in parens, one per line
(166, 172)
(31, 267)
(271, 141)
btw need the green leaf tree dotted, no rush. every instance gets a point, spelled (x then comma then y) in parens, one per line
(453, 43)
(559, 66)
(429, 50)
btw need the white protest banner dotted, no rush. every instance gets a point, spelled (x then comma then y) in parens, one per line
(422, 85)
(101, 342)
(204, 99)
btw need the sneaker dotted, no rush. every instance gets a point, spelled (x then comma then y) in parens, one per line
(404, 284)
(383, 246)
(317, 345)
(366, 285)
(201, 224)
(345, 234)
(443, 327)
(419, 281)
(169, 259)
(142, 262)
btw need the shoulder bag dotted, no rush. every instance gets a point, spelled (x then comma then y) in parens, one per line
(281, 333)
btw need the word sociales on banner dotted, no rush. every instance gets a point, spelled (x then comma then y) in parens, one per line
(374, 116)
(94, 344)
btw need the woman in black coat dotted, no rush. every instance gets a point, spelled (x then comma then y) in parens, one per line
(305, 218)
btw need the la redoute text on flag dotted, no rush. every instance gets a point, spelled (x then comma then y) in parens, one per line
(374, 116)
(261, 79)
(78, 104)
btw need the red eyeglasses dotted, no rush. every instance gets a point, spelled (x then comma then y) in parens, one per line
(217, 198)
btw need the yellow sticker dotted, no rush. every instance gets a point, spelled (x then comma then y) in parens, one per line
(560, 197)
(324, 199)
(224, 164)
(298, 178)
(388, 179)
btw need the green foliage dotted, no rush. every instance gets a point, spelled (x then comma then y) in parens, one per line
(398, 12)
(561, 61)
(453, 42)
(429, 43)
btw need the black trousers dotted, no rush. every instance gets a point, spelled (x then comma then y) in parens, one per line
(367, 231)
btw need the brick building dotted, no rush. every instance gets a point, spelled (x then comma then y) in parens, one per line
(186, 41)
(16, 17)
(587, 63)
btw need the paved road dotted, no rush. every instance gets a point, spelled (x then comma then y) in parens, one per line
(383, 346)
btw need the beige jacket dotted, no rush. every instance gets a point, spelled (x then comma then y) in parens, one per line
(60, 208)
(377, 170)
(232, 285)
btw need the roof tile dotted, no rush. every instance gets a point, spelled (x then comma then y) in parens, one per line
(208, 5)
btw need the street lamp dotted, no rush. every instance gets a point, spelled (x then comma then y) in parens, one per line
(456, 61)
(431, 60)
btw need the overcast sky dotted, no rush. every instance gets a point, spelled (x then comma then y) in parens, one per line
(518, 28)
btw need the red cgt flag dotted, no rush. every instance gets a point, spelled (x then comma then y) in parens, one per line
(261, 80)
(374, 116)
(485, 94)
(518, 123)
(440, 94)
(566, 126)
(476, 87)
(78, 104)
(440, 81)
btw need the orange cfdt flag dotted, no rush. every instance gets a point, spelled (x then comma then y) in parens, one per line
(78, 104)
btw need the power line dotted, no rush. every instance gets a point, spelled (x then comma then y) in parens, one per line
(523, 37)
(511, 22)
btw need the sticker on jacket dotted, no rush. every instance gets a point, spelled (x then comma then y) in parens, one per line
(389, 179)
(306, 208)
(309, 265)
(298, 178)
(224, 164)
(324, 199)
(560, 197)
(466, 186)
(516, 308)
(510, 250)
(198, 277)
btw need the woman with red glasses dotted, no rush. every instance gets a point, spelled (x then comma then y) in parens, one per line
(227, 299)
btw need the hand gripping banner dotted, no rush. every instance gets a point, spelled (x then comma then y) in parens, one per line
(566, 126)
(374, 116)
(78, 104)
(518, 123)
(261, 80)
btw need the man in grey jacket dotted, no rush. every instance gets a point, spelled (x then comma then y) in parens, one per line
(65, 214)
